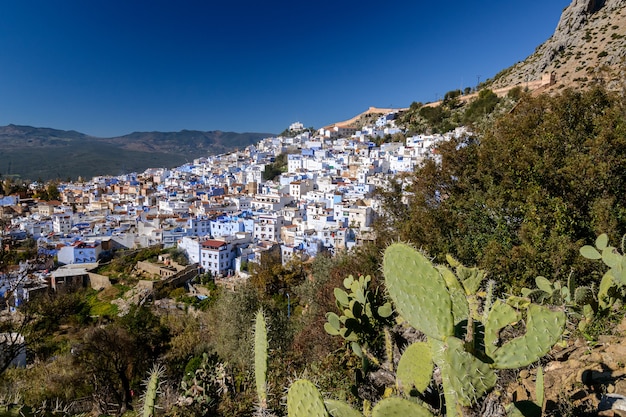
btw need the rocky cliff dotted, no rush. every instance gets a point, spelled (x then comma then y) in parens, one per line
(588, 46)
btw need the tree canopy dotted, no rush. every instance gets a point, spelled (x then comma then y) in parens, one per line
(522, 197)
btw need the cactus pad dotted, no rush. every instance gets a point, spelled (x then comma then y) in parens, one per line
(500, 316)
(305, 400)
(543, 329)
(340, 409)
(469, 377)
(460, 305)
(399, 407)
(333, 325)
(418, 290)
(415, 368)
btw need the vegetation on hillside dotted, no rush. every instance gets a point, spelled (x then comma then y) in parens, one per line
(274, 169)
(455, 111)
(520, 198)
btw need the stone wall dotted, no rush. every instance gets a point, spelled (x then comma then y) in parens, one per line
(98, 282)
(157, 269)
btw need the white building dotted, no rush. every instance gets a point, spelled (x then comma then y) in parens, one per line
(294, 163)
(270, 202)
(198, 226)
(298, 188)
(401, 164)
(190, 245)
(267, 227)
(62, 223)
(79, 253)
(296, 127)
(217, 256)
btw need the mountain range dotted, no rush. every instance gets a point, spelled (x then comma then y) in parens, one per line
(43, 154)
(587, 47)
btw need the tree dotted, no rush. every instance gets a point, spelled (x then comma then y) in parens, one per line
(276, 168)
(117, 356)
(519, 200)
(107, 355)
(12, 343)
(483, 105)
(232, 331)
(47, 314)
(270, 277)
(451, 99)
(30, 328)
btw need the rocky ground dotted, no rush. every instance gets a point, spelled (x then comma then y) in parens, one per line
(585, 378)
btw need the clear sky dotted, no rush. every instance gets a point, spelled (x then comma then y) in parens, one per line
(112, 67)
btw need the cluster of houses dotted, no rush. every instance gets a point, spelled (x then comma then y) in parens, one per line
(220, 210)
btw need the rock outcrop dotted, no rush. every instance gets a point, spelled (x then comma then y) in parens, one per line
(588, 45)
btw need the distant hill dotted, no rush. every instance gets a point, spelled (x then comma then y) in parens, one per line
(42, 153)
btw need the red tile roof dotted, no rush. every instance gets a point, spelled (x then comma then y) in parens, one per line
(213, 244)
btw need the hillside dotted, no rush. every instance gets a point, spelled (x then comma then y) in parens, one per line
(42, 153)
(588, 46)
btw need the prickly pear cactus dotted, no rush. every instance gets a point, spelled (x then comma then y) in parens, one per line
(613, 284)
(340, 409)
(415, 368)
(469, 377)
(260, 358)
(418, 290)
(399, 407)
(440, 303)
(458, 296)
(543, 330)
(305, 400)
(434, 300)
(207, 382)
(360, 318)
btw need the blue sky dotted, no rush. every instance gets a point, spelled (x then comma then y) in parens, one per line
(109, 67)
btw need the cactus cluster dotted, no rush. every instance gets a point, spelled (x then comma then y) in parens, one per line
(613, 285)
(580, 301)
(557, 293)
(305, 400)
(202, 388)
(466, 335)
(360, 318)
(430, 299)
